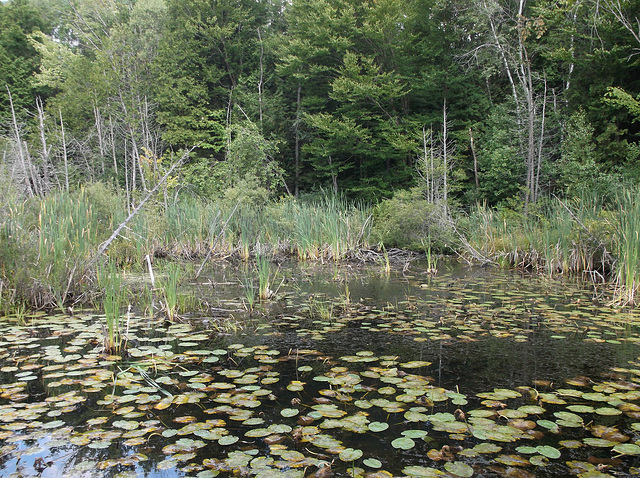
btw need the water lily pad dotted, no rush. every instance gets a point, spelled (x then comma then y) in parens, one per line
(599, 442)
(422, 471)
(350, 454)
(487, 448)
(415, 364)
(457, 468)
(581, 408)
(378, 426)
(414, 433)
(549, 425)
(403, 443)
(549, 451)
(627, 449)
(228, 440)
(289, 412)
(539, 460)
(372, 463)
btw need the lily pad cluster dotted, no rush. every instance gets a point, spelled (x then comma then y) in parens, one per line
(298, 394)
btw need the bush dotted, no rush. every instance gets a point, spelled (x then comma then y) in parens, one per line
(408, 221)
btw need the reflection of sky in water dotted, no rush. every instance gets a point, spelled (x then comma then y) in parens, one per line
(479, 328)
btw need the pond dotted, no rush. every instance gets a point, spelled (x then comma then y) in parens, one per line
(346, 371)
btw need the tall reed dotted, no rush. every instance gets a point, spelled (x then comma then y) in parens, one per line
(266, 276)
(169, 290)
(111, 280)
(628, 247)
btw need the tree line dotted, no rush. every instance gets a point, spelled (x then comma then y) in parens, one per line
(492, 101)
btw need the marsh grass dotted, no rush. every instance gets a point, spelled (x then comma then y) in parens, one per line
(110, 278)
(169, 290)
(266, 276)
(249, 288)
(627, 268)
(560, 237)
(432, 259)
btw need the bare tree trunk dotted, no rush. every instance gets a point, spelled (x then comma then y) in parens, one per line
(541, 142)
(46, 162)
(64, 153)
(427, 170)
(475, 160)
(444, 155)
(112, 137)
(334, 177)
(99, 132)
(33, 172)
(18, 142)
(261, 80)
(126, 176)
(103, 247)
(297, 142)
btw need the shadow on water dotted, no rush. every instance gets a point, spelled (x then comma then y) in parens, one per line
(472, 372)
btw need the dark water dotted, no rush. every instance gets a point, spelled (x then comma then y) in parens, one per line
(68, 410)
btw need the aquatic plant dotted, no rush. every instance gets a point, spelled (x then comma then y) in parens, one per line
(249, 288)
(266, 276)
(223, 402)
(110, 279)
(432, 259)
(386, 265)
(169, 290)
(628, 247)
(557, 237)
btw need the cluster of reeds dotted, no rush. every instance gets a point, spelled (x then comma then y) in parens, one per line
(627, 239)
(169, 289)
(560, 237)
(110, 279)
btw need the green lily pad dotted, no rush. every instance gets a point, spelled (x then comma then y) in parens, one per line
(350, 454)
(228, 440)
(372, 463)
(458, 468)
(627, 449)
(549, 451)
(289, 412)
(403, 443)
(422, 471)
(378, 426)
(414, 433)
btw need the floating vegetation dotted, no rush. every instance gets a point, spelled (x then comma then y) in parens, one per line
(446, 380)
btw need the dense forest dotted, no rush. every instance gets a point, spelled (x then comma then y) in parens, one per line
(491, 101)
(500, 131)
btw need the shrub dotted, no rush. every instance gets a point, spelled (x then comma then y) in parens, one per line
(408, 221)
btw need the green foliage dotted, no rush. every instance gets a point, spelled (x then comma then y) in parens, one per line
(501, 169)
(110, 279)
(619, 97)
(169, 290)
(577, 165)
(628, 247)
(250, 157)
(247, 193)
(407, 220)
(19, 60)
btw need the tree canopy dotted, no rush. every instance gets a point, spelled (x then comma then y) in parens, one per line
(480, 100)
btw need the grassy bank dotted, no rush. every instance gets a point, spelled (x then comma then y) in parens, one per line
(584, 237)
(48, 245)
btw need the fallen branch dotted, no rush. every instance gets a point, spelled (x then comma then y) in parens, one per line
(116, 232)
